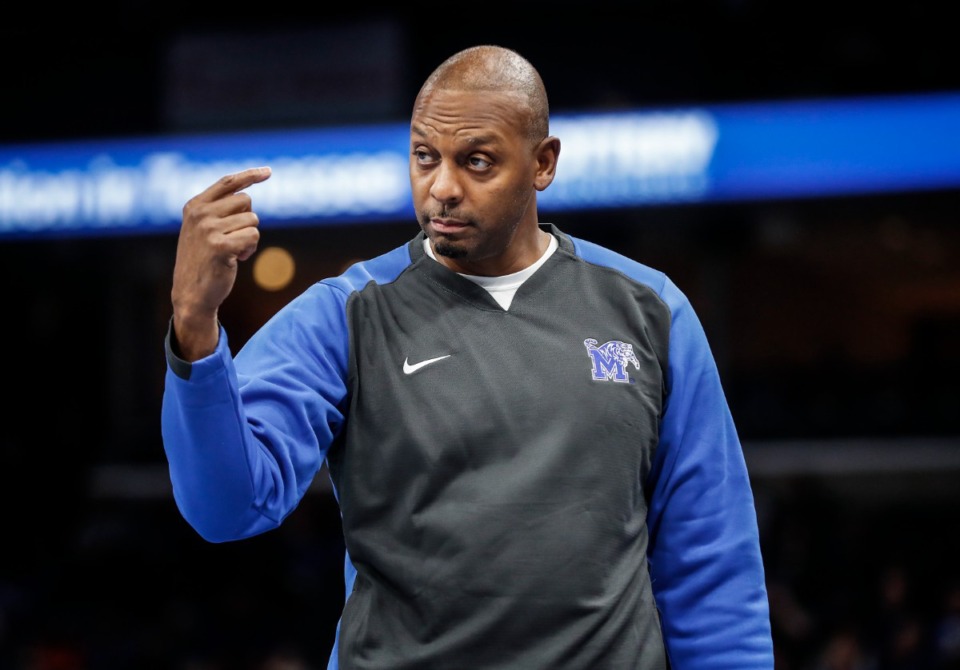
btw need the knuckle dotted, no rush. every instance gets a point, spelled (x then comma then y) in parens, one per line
(190, 206)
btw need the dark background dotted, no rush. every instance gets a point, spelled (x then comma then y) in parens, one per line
(835, 321)
(109, 73)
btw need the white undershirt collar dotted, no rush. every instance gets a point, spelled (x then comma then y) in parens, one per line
(503, 288)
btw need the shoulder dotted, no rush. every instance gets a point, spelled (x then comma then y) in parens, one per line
(652, 279)
(379, 270)
(600, 256)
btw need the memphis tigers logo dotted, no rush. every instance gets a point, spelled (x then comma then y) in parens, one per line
(610, 360)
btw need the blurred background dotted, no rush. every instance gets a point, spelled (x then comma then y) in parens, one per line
(834, 317)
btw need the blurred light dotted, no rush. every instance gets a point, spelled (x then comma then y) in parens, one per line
(273, 268)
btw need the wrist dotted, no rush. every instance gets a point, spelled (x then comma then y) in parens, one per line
(195, 337)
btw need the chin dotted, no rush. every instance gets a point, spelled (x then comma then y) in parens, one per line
(449, 250)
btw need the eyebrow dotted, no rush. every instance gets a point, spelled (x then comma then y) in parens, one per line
(472, 140)
(482, 139)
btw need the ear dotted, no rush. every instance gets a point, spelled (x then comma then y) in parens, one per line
(547, 153)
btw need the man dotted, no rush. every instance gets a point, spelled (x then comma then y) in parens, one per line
(526, 433)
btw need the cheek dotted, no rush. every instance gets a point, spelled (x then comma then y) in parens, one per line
(419, 189)
(517, 197)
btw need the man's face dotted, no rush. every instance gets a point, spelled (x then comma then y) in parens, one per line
(472, 173)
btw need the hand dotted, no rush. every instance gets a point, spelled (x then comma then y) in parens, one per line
(219, 229)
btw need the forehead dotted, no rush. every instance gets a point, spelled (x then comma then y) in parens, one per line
(469, 116)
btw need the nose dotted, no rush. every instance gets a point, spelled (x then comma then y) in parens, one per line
(446, 187)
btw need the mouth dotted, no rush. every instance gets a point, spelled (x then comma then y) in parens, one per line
(447, 226)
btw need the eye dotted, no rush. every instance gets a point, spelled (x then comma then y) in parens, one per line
(479, 162)
(422, 156)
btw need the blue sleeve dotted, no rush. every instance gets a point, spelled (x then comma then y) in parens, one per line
(706, 569)
(245, 436)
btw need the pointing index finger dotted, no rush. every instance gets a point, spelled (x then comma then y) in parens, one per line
(238, 181)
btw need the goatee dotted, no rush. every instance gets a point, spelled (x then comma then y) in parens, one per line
(448, 250)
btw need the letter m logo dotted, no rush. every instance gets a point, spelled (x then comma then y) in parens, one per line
(610, 360)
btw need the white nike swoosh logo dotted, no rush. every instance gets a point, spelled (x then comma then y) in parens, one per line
(410, 369)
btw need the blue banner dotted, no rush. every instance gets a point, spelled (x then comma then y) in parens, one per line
(619, 159)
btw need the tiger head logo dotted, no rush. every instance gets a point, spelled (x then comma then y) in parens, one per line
(610, 360)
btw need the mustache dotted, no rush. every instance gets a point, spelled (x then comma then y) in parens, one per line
(444, 213)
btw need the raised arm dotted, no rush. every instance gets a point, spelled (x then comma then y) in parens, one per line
(219, 229)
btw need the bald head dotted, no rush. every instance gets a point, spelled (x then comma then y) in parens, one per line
(494, 68)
